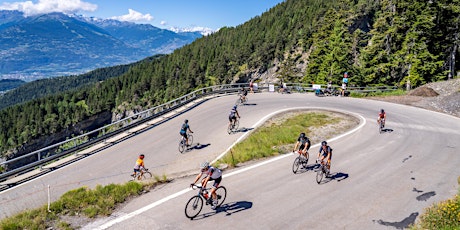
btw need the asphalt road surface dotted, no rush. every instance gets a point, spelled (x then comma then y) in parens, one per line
(379, 181)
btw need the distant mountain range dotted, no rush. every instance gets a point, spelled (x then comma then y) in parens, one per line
(57, 44)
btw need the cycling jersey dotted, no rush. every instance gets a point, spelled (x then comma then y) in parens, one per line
(328, 150)
(139, 163)
(382, 115)
(214, 173)
(184, 128)
(232, 113)
(303, 141)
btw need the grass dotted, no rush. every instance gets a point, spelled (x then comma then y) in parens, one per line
(442, 215)
(100, 201)
(275, 138)
(397, 92)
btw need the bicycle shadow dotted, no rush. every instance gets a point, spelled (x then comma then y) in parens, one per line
(242, 130)
(248, 104)
(198, 146)
(385, 130)
(338, 176)
(229, 209)
(310, 167)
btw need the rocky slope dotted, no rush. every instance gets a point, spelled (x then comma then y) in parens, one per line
(442, 97)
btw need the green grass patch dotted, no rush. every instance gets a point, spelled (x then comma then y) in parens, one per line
(273, 138)
(397, 92)
(100, 201)
(442, 215)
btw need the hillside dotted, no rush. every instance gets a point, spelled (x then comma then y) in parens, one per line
(57, 44)
(376, 42)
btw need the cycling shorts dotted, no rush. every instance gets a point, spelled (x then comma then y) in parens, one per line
(230, 118)
(216, 181)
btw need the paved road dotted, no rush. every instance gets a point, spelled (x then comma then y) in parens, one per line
(382, 181)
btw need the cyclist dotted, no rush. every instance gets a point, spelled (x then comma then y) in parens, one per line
(382, 117)
(328, 88)
(303, 143)
(325, 151)
(183, 131)
(243, 93)
(139, 165)
(232, 116)
(211, 174)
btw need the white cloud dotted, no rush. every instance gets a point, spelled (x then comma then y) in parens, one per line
(134, 16)
(48, 6)
(203, 30)
(163, 23)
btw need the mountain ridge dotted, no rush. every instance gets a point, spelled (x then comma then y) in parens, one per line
(56, 44)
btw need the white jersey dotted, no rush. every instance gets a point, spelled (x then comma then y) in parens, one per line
(213, 172)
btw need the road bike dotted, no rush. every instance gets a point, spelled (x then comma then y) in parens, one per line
(142, 174)
(183, 142)
(381, 125)
(322, 172)
(300, 160)
(241, 100)
(195, 204)
(233, 126)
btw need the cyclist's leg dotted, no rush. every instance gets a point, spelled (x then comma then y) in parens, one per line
(214, 188)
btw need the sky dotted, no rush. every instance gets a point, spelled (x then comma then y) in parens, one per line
(166, 14)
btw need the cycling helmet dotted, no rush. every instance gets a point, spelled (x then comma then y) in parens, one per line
(382, 111)
(204, 165)
(235, 106)
(302, 135)
(186, 121)
(141, 156)
(324, 143)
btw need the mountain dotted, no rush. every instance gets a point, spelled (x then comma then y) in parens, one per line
(57, 44)
(145, 36)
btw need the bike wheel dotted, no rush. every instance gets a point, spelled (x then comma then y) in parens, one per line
(319, 175)
(229, 129)
(296, 164)
(146, 175)
(221, 195)
(305, 161)
(380, 127)
(237, 124)
(181, 146)
(193, 207)
(190, 139)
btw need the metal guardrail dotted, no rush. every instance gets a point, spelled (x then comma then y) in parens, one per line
(81, 142)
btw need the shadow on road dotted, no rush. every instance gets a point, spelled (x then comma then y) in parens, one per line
(338, 176)
(311, 167)
(229, 209)
(385, 130)
(199, 146)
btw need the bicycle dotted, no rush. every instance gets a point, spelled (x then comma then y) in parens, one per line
(142, 175)
(233, 127)
(381, 125)
(241, 101)
(300, 160)
(322, 171)
(183, 142)
(195, 204)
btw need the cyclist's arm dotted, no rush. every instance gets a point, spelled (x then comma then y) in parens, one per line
(295, 146)
(238, 114)
(197, 177)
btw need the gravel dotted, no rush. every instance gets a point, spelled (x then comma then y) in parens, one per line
(442, 97)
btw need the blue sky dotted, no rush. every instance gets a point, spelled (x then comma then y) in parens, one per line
(167, 14)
